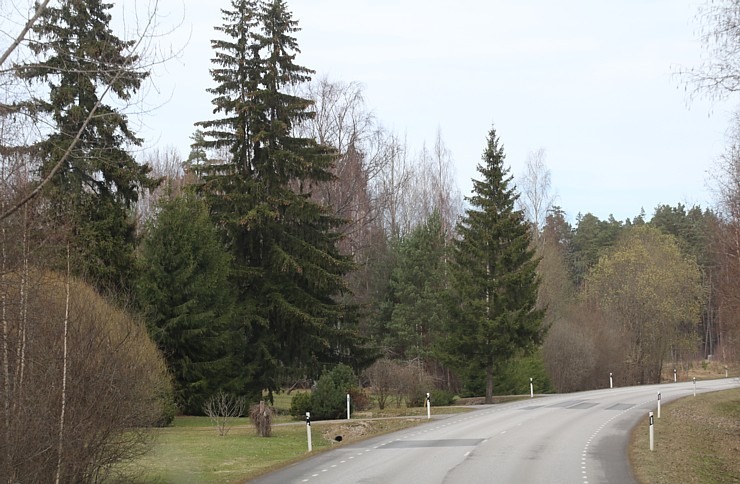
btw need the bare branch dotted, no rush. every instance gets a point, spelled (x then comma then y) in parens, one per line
(22, 34)
(34, 193)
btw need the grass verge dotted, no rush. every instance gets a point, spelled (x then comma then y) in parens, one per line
(192, 451)
(697, 440)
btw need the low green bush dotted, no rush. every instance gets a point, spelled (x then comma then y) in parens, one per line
(442, 398)
(329, 400)
(300, 404)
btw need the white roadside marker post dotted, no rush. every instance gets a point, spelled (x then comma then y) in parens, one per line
(429, 406)
(531, 389)
(611, 380)
(694, 386)
(652, 434)
(348, 406)
(674, 375)
(308, 430)
(658, 405)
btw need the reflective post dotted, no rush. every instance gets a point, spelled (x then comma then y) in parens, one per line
(308, 430)
(348, 406)
(658, 405)
(611, 380)
(429, 406)
(674, 375)
(531, 389)
(694, 386)
(652, 436)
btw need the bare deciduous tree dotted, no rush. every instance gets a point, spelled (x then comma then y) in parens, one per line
(719, 73)
(383, 378)
(432, 188)
(167, 166)
(726, 247)
(223, 408)
(535, 187)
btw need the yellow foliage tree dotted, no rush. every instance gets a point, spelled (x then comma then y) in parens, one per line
(653, 294)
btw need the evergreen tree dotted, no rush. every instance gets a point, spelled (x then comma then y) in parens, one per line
(591, 239)
(288, 270)
(184, 293)
(494, 281)
(80, 58)
(418, 284)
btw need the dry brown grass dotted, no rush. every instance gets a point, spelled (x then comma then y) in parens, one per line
(697, 440)
(701, 370)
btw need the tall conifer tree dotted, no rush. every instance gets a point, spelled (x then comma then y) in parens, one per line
(80, 58)
(183, 290)
(288, 271)
(493, 275)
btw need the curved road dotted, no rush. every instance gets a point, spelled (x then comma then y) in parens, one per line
(578, 438)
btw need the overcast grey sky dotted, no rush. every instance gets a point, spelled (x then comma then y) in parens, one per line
(592, 82)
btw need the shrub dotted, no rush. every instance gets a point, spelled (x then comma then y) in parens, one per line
(417, 388)
(262, 416)
(329, 400)
(300, 404)
(514, 375)
(442, 398)
(359, 400)
(384, 376)
(169, 410)
(116, 382)
(223, 408)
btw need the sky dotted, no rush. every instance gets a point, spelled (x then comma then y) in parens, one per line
(593, 83)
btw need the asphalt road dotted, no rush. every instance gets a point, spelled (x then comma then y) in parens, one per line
(578, 438)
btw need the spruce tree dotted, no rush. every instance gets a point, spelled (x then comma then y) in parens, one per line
(494, 283)
(288, 270)
(80, 58)
(418, 285)
(183, 290)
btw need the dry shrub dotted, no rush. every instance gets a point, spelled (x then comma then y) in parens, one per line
(223, 408)
(262, 416)
(383, 378)
(569, 355)
(116, 386)
(581, 350)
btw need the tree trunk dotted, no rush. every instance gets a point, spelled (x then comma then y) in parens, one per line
(489, 382)
(60, 442)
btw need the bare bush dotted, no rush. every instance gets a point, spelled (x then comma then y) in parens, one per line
(582, 348)
(116, 382)
(569, 355)
(382, 376)
(262, 416)
(223, 408)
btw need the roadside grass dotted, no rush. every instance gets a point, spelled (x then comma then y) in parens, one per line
(701, 370)
(199, 454)
(697, 440)
(192, 451)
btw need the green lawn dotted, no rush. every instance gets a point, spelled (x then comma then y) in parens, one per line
(187, 453)
(192, 451)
